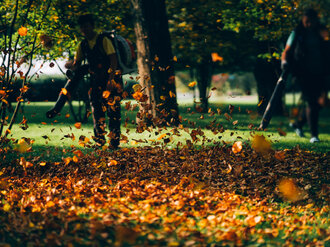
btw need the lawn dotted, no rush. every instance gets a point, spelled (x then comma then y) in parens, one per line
(47, 133)
(166, 187)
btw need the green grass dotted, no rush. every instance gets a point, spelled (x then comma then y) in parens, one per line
(50, 134)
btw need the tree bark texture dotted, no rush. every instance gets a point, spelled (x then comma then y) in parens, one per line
(204, 74)
(155, 60)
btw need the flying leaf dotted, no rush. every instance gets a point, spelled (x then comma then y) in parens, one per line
(290, 190)
(77, 125)
(23, 146)
(260, 144)
(22, 31)
(192, 84)
(136, 87)
(237, 147)
(64, 91)
(216, 57)
(105, 94)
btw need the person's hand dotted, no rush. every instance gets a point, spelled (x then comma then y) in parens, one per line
(323, 99)
(284, 65)
(69, 64)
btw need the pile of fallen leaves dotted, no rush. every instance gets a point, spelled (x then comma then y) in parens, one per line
(224, 194)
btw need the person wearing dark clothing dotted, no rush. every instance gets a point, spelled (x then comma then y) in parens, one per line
(105, 84)
(306, 56)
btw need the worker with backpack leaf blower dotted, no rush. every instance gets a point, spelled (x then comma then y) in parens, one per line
(108, 57)
(306, 57)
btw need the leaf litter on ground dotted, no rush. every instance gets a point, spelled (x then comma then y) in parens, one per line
(223, 194)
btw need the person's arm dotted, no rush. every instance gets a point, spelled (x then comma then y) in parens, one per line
(111, 54)
(325, 34)
(288, 46)
(76, 63)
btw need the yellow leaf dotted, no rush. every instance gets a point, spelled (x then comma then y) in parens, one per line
(172, 95)
(22, 146)
(42, 163)
(136, 87)
(6, 207)
(64, 91)
(260, 144)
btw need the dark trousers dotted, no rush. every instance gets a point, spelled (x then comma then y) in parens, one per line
(99, 104)
(311, 87)
(109, 105)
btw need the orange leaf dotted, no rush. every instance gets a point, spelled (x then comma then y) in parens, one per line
(105, 94)
(77, 125)
(67, 160)
(280, 155)
(64, 91)
(216, 57)
(290, 190)
(161, 136)
(50, 204)
(22, 31)
(2, 92)
(112, 163)
(75, 159)
(237, 147)
(192, 84)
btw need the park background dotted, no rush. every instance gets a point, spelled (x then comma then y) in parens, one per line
(212, 179)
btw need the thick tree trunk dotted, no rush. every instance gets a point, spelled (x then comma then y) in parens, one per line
(155, 61)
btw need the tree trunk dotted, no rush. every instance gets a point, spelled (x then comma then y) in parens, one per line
(155, 62)
(204, 73)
